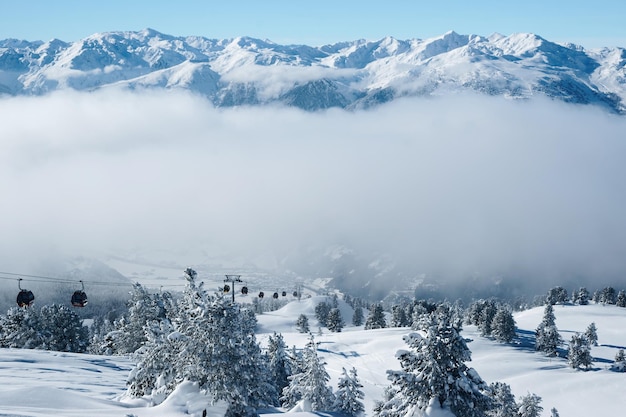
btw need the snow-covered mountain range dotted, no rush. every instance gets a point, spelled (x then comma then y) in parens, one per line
(352, 75)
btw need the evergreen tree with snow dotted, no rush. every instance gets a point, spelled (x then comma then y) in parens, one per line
(485, 324)
(621, 299)
(554, 412)
(529, 406)
(334, 322)
(503, 400)
(322, 310)
(608, 296)
(398, 316)
(503, 325)
(349, 396)
(547, 337)
(376, 318)
(129, 334)
(62, 329)
(54, 327)
(557, 295)
(620, 362)
(434, 374)
(357, 316)
(279, 362)
(209, 342)
(20, 328)
(582, 297)
(311, 384)
(579, 352)
(591, 334)
(302, 324)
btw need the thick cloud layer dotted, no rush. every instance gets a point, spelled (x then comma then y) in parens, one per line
(453, 185)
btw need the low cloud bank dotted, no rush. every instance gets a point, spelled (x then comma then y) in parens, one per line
(449, 185)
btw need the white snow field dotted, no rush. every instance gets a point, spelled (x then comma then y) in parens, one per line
(39, 383)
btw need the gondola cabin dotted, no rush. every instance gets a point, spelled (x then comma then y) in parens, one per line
(275, 295)
(226, 289)
(244, 290)
(25, 298)
(284, 293)
(261, 294)
(79, 299)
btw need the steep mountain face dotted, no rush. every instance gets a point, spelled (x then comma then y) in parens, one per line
(352, 75)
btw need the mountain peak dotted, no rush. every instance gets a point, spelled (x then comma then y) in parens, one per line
(350, 74)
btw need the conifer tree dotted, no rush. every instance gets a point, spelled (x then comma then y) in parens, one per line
(434, 372)
(280, 364)
(529, 406)
(376, 318)
(620, 362)
(398, 316)
(349, 394)
(62, 329)
(591, 333)
(302, 324)
(579, 352)
(621, 299)
(311, 384)
(357, 317)
(210, 342)
(503, 400)
(582, 296)
(548, 338)
(334, 322)
(503, 325)
(322, 310)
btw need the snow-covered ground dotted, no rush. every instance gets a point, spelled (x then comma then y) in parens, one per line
(39, 383)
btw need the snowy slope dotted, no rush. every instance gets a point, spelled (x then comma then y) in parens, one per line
(38, 383)
(355, 74)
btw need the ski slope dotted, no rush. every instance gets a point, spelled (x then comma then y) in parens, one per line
(40, 383)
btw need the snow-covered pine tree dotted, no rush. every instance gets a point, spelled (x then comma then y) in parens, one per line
(503, 400)
(503, 325)
(621, 299)
(591, 333)
(53, 327)
(582, 296)
(548, 338)
(334, 322)
(554, 412)
(20, 328)
(620, 362)
(357, 317)
(376, 318)
(529, 406)
(62, 329)
(279, 362)
(579, 352)
(302, 324)
(322, 310)
(154, 373)
(398, 316)
(129, 333)
(349, 394)
(487, 314)
(210, 342)
(557, 295)
(311, 384)
(434, 374)
(98, 330)
(608, 295)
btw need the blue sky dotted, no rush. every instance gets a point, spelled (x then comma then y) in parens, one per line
(589, 23)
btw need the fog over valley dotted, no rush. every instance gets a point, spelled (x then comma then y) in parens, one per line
(451, 188)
